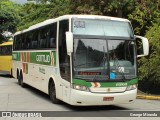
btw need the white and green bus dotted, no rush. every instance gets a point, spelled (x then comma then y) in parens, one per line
(82, 60)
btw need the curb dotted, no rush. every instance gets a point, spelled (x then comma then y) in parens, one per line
(148, 97)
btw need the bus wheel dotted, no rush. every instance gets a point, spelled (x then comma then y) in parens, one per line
(21, 81)
(52, 93)
(11, 74)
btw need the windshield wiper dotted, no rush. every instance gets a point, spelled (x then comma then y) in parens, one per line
(102, 62)
(104, 58)
(118, 65)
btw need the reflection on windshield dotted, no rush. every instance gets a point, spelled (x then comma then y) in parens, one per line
(91, 58)
(102, 27)
(89, 52)
(89, 55)
(122, 60)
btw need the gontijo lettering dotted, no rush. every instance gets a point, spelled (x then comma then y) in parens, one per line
(43, 58)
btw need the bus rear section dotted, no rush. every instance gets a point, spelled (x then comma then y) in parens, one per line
(6, 58)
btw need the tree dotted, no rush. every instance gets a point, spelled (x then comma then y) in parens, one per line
(45, 9)
(117, 8)
(150, 66)
(145, 14)
(8, 16)
(146, 22)
(34, 13)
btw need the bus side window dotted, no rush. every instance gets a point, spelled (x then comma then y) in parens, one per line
(17, 43)
(51, 42)
(43, 38)
(46, 42)
(53, 35)
(28, 39)
(64, 59)
(19, 46)
(14, 40)
(4, 50)
(35, 40)
(10, 49)
(24, 42)
(0, 51)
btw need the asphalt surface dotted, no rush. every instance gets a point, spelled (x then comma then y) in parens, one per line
(15, 98)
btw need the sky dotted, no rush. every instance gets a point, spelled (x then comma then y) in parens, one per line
(19, 1)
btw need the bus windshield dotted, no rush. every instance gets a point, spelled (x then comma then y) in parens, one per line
(102, 60)
(101, 27)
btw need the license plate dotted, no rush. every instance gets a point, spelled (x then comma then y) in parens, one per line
(108, 98)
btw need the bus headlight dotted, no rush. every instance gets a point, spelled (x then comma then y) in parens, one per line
(131, 87)
(79, 87)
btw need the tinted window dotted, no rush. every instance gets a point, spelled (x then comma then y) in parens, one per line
(5, 50)
(64, 60)
(48, 36)
(41, 38)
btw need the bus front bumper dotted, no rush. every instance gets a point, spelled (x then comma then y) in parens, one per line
(83, 98)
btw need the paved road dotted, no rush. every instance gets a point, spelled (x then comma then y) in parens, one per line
(15, 98)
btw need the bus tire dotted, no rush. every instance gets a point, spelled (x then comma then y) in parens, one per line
(52, 93)
(21, 81)
(11, 74)
(18, 77)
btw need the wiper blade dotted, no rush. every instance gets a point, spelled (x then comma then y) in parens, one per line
(118, 65)
(103, 62)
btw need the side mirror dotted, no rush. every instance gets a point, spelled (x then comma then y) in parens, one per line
(69, 42)
(144, 51)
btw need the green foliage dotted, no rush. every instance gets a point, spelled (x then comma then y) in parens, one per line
(145, 14)
(145, 21)
(150, 66)
(35, 13)
(45, 9)
(116, 8)
(9, 16)
(31, 14)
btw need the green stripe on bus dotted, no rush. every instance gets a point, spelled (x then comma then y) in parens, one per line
(25, 57)
(44, 58)
(16, 56)
(40, 58)
(105, 84)
(81, 82)
(133, 81)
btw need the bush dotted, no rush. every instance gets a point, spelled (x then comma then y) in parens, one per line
(150, 65)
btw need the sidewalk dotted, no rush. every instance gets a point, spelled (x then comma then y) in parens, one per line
(141, 95)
